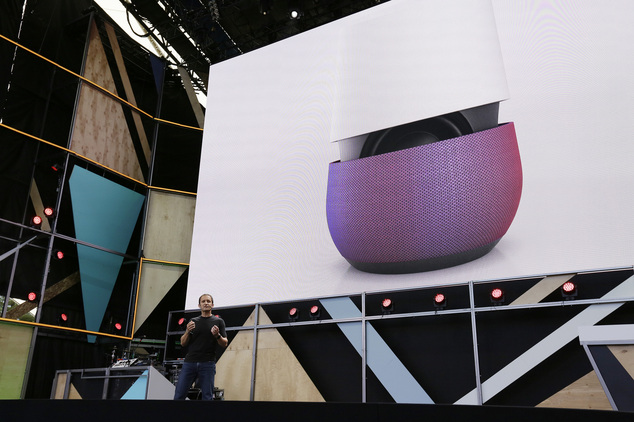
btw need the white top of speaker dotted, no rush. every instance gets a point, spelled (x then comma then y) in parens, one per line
(408, 60)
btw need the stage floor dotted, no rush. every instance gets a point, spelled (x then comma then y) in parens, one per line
(166, 410)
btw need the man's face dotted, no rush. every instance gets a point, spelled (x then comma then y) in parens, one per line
(205, 303)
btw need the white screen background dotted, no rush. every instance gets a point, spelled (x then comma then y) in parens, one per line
(260, 231)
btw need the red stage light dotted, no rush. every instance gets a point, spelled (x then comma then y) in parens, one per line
(293, 314)
(36, 221)
(440, 301)
(386, 305)
(32, 296)
(58, 254)
(569, 290)
(181, 321)
(49, 212)
(497, 296)
(118, 326)
(63, 317)
(315, 312)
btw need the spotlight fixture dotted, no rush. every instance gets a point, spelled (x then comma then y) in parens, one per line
(58, 254)
(62, 319)
(294, 10)
(49, 212)
(118, 326)
(569, 290)
(497, 296)
(182, 322)
(31, 297)
(387, 306)
(315, 312)
(440, 301)
(293, 314)
(265, 6)
(36, 222)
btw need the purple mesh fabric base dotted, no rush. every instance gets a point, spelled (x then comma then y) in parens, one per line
(426, 202)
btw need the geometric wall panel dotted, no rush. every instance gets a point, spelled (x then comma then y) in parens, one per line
(527, 354)
(549, 345)
(233, 369)
(156, 281)
(625, 355)
(15, 342)
(585, 393)
(124, 383)
(609, 348)
(542, 289)
(150, 385)
(616, 381)
(384, 363)
(282, 376)
(72, 394)
(286, 380)
(100, 131)
(169, 226)
(104, 214)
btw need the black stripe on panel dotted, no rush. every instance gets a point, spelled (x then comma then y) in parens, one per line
(618, 381)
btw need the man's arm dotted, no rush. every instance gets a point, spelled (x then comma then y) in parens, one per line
(187, 335)
(223, 341)
(219, 333)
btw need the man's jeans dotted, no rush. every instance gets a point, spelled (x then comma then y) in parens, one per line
(201, 372)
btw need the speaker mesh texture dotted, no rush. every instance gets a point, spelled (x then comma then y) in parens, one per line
(428, 201)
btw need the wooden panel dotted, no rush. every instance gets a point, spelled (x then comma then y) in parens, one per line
(59, 388)
(15, 341)
(191, 95)
(585, 393)
(100, 131)
(73, 394)
(278, 374)
(38, 205)
(169, 226)
(129, 93)
(156, 280)
(51, 292)
(625, 355)
(233, 373)
(542, 289)
(233, 370)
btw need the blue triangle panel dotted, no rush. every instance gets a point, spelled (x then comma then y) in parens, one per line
(98, 271)
(158, 69)
(138, 389)
(105, 214)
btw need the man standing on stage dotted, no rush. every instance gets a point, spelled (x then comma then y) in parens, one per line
(203, 335)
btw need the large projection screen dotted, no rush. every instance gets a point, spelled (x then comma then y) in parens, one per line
(260, 231)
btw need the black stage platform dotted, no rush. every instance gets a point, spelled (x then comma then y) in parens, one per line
(165, 410)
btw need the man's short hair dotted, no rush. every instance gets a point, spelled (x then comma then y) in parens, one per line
(203, 295)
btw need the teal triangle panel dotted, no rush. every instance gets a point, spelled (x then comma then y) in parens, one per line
(138, 389)
(105, 214)
(98, 271)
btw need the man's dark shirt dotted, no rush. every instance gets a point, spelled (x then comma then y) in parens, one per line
(202, 345)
